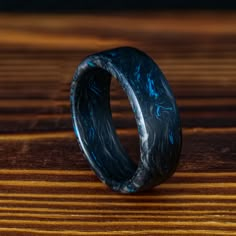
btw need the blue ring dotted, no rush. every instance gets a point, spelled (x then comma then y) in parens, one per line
(155, 112)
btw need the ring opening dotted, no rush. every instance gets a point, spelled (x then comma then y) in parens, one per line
(97, 132)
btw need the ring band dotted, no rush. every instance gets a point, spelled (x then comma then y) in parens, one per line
(155, 111)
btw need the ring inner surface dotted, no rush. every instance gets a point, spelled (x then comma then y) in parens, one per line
(96, 129)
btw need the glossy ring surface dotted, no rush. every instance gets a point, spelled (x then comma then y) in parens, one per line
(155, 111)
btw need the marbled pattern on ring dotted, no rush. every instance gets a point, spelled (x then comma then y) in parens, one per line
(155, 111)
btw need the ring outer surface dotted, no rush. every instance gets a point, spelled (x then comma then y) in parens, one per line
(155, 111)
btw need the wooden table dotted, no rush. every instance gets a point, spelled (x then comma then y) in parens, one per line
(46, 186)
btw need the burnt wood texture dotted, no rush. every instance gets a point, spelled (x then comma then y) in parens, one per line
(46, 185)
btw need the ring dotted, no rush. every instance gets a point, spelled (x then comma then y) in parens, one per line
(155, 111)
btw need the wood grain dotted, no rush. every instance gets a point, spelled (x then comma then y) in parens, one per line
(47, 188)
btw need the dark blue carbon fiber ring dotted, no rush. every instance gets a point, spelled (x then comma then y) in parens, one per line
(155, 111)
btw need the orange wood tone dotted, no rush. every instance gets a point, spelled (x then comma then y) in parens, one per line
(46, 186)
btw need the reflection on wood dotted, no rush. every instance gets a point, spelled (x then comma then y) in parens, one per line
(46, 185)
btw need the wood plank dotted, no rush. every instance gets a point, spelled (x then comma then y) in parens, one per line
(197, 154)
(48, 188)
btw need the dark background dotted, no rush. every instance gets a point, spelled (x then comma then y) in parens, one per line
(93, 5)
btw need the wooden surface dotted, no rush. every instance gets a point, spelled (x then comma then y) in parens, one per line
(46, 186)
